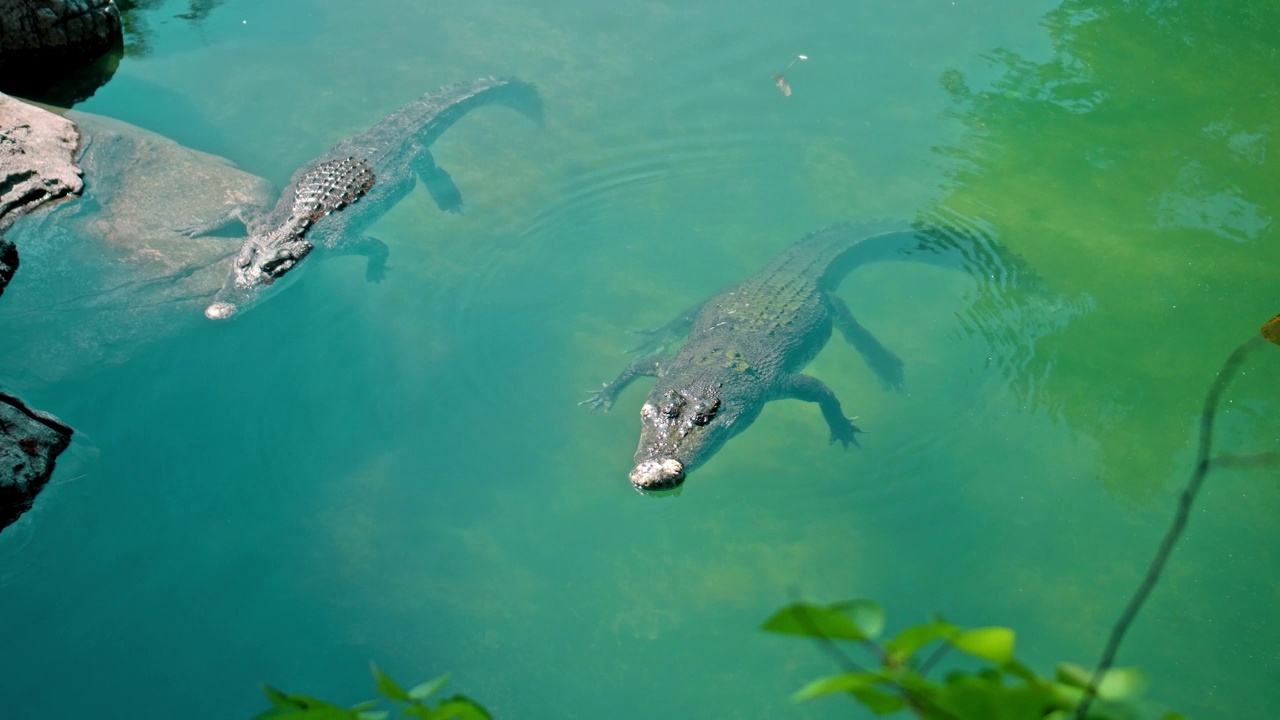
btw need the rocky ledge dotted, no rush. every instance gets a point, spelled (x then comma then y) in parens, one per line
(37, 166)
(30, 442)
(43, 41)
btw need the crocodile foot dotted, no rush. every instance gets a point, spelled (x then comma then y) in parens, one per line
(598, 399)
(846, 434)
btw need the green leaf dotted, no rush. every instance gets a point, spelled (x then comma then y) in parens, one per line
(277, 697)
(318, 712)
(989, 643)
(1073, 675)
(878, 701)
(375, 715)
(429, 688)
(911, 639)
(845, 682)
(978, 697)
(1022, 672)
(812, 620)
(866, 614)
(1116, 683)
(296, 707)
(387, 687)
(1122, 684)
(460, 707)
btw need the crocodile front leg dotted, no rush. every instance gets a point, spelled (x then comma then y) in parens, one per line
(798, 386)
(371, 248)
(244, 213)
(652, 366)
(882, 361)
(443, 191)
(656, 340)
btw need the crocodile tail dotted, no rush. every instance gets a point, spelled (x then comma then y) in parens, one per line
(828, 254)
(437, 111)
(953, 243)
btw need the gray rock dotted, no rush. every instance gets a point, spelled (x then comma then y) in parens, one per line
(41, 40)
(30, 442)
(37, 150)
(37, 158)
(110, 271)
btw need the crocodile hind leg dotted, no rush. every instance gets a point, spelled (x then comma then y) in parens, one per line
(882, 361)
(798, 386)
(371, 248)
(651, 366)
(443, 191)
(244, 213)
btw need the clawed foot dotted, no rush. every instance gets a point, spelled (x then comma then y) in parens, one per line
(375, 273)
(846, 434)
(599, 399)
(889, 370)
(191, 231)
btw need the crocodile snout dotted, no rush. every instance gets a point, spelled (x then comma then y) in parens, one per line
(661, 474)
(220, 311)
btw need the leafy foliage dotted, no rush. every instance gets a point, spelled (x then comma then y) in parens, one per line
(1000, 689)
(410, 703)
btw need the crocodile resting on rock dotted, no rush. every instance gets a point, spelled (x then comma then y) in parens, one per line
(747, 345)
(362, 177)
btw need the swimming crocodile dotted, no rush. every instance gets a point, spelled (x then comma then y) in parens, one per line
(747, 345)
(332, 200)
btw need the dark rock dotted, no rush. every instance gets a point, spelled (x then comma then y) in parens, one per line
(30, 442)
(8, 262)
(110, 271)
(43, 42)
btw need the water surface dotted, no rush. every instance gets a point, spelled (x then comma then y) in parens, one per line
(401, 472)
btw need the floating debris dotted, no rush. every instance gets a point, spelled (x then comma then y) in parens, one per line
(782, 84)
(781, 81)
(1271, 330)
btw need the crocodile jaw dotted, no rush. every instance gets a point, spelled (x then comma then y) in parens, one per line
(662, 474)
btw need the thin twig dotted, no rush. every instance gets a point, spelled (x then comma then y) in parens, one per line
(1207, 416)
(933, 659)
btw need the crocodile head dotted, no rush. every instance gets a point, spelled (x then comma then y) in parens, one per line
(680, 429)
(260, 263)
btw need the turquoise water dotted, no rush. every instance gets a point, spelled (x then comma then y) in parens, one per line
(401, 472)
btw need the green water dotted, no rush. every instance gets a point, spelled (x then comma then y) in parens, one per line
(401, 471)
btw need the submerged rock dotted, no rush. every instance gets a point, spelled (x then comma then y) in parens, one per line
(37, 166)
(45, 43)
(30, 442)
(104, 274)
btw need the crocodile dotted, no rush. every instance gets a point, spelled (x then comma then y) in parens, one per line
(747, 345)
(331, 200)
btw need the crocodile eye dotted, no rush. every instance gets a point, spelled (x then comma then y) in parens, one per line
(279, 266)
(671, 411)
(704, 417)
